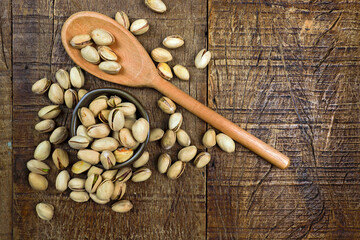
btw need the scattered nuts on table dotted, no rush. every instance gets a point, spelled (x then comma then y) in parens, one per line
(181, 72)
(173, 41)
(45, 211)
(156, 5)
(122, 19)
(164, 71)
(161, 55)
(202, 59)
(63, 78)
(139, 27)
(41, 86)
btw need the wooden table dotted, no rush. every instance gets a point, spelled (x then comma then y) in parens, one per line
(289, 74)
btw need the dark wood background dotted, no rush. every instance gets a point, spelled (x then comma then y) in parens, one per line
(287, 73)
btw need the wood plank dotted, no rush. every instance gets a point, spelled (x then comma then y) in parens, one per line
(289, 74)
(163, 209)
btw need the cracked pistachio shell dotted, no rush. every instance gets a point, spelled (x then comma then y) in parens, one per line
(71, 98)
(127, 108)
(99, 130)
(90, 54)
(122, 206)
(181, 72)
(175, 121)
(81, 41)
(156, 134)
(164, 71)
(107, 143)
(97, 200)
(77, 78)
(79, 196)
(107, 159)
(89, 156)
(60, 158)
(59, 135)
(41, 86)
(123, 154)
(123, 175)
(56, 94)
(45, 126)
(202, 159)
(126, 138)
(38, 182)
(63, 78)
(168, 140)
(37, 167)
(98, 104)
(173, 41)
(94, 170)
(49, 112)
(77, 184)
(78, 142)
(42, 150)
(119, 190)
(175, 170)
(81, 93)
(129, 122)
(141, 175)
(166, 105)
(209, 138)
(164, 162)
(82, 131)
(225, 143)
(122, 19)
(62, 180)
(110, 67)
(161, 55)
(92, 183)
(156, 5)
(102, 37)
(183, 138)
(104, 115)
(202, 59)
(116, 119)
(107, 54)
(139, 27)
(109, 174)
(80, 167)
(140, 130)
(105, 189)
(114, 101)
(45, 211)
(142, 160)
(187, 153)
(86, 117)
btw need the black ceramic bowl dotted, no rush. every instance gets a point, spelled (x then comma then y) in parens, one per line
(126, 97)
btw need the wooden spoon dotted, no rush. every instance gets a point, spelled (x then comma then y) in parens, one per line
(138, 70)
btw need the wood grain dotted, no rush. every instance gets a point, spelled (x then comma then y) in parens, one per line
(289, 74)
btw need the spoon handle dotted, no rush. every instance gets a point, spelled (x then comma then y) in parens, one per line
(222, 124)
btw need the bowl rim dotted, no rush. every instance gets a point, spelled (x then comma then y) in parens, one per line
(91, 95)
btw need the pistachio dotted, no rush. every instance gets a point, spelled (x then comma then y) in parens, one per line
(123, 174)
(97, 200)
(166, 105)
(187, 153)
(92, 183)
(77, 184)
(122, 19)
(168, 140)
(80, 167)
(110, 67)
(127, 108)
(45, 211)
(109, 174)
(164, 162)
(59, 135)
(45, 126)
(156, 134)
(107, 54)
(56, 94)
(71, 98)
(100, 130)
(183, 138)
(114, 101)
(142, 160)
(86, 117)
(202, 59)
(115, 134)
(42, 150)
(102, 37)
(129, 122)
(49, 112)
(161, 55)
(107, 143)
(77, 78)
(98, 104)
(173, 41)
(62, 181)
(38, 182)
(37, 167)
(122, 206)
(126, 138)
(60, 158)
(104, 115)
(81, 41)
(79, 196)
(175, 121)
(156, 5)
(105, 189)
(119, 190)
(164, 71)
(94, 170)
(122, 154)
(181, 72)
(41, 86)
(176, 169)
(63, 78)
(141, 175)
(202, 159)
(225, 143)
(78, 142)
(140, 130)
(82, 131)
(116, 119)
(139, 27)
(90, 54)
(209, 138)
(89, 156)
(107, 159)
(81, 93)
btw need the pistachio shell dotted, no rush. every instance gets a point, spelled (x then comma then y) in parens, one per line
(94, 170)
(161, 55)
(202, 159)
(176, 169)
(209, 138)
(77, 78)
(86, 117)
(156, 134)
(100, 130)
(142, 160)
(127, 108)
(42, 150)
(102, 37)
(45, 211)
(82, 131)
(41, 86)
(139, 27)
(90, 54)
(181, 72)
(187, 153)
(119, 190)
(81, 93)
(166, 105)
(98, 104)
(81, 41)
(202, 59)
(107, 54)
(116, 119)
(37, 182)
(77, 184)
(123, 175)
(109, 174)
(49, 112)
(168, 140)
(114, 101)
(60, 158)
(63, 78)
(183, 138)
(107, 143)
(79, 196)
(89, 156)
(173, 41)
(62, 181)
(71, 98)
(140, 130)
(78, 142)
(225, 143)
(92, 183)
(107, 159)
(97, 200)
(104, 115)
(56, 94)
(105, 189)
(141, 175)
(156, 5)
(110, 67)
(59, 135)
(123, 154)
(164, 71)
(164, 162)
(175, 121)
(45, 126)
(37, 167)
(80, 167)
(122, 206)
(122, 19)
(129, 122)
(126, 138)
